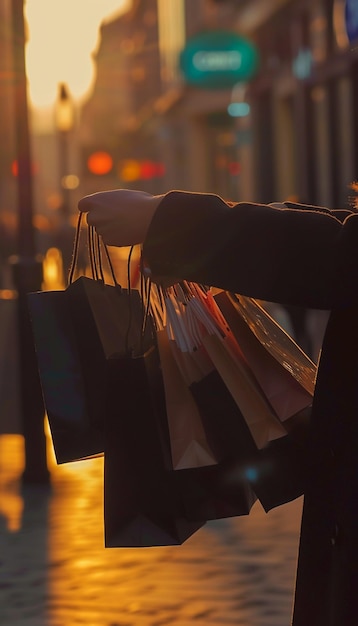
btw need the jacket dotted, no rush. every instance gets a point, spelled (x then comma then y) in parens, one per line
(306, 256)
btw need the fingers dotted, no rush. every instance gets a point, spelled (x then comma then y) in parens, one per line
(120, 216)
(83, 204)
(101, 209)
(111, 199)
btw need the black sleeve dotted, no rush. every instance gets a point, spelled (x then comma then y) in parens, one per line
(299, 255)
(340, 214)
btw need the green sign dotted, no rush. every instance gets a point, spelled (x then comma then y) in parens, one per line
(218, 59)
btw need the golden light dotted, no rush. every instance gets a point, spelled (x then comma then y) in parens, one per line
(70, 181)
(129, 170)
(42, 223)
(8, 294)
(53, 270)
(54, 201)
(11, 465)
(64, 110)
(100, 163)
(62, 37)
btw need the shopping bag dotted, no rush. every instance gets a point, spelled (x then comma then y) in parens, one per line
(74, 433)
(73, 347)
(205, 478)
(274, 466)
(253, 405)
(108, 321)
(215, 492)
(189, 446)
(223, 490)
(282, 369)
(278, 472)
(195, 325)
(143, 505)
(76, 330)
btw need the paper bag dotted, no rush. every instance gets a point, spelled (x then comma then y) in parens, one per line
(283, 371)
(75, 434)
(189, 445)
(142, 502)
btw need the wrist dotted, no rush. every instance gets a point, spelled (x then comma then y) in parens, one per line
(150, 209)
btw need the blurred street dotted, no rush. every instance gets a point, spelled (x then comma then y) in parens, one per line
(54, 570)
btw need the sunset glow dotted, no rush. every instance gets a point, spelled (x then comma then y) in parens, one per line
(62, 35)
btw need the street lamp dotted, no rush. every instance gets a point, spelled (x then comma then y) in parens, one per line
(64, 121)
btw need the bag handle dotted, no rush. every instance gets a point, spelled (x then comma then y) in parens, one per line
(95, 246)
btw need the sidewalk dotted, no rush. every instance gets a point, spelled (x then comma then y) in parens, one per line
(54, 570)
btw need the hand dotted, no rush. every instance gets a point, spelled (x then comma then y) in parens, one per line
(120, 216)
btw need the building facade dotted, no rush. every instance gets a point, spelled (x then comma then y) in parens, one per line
(289, 131)
(7, 121)
(304, 104)
(116, 119)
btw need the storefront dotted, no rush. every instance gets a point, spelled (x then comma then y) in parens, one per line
(304, 104)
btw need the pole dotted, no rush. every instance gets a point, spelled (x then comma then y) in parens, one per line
(64, 170)
(27, 268)
(64, 123)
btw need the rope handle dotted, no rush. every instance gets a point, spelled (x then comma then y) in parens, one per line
(95, 247)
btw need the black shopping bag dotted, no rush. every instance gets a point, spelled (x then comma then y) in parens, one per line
(221, 490)
(76, 330)
(108, 321)
(142, 502)
(279, 472)
(74, 434)
(276, 473)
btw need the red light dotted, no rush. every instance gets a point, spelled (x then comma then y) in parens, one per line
(100, 163)
(234, 168)
(151, 169)
(159, 170)
(15, 168)
(147, 170)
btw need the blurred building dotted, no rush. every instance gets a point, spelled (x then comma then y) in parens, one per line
(290, 130)
(304, 102)
(7, 136)
(117, 143)
(8, 189)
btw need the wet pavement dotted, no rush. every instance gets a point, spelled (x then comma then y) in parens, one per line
(55, 571)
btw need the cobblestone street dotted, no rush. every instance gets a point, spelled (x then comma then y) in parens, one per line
(54, 570)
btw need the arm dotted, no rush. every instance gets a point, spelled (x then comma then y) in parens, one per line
(303, 256)
(297, 254)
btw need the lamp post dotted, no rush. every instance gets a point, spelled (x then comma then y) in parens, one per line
(64, 124)
(64, 121)
(27, 268)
